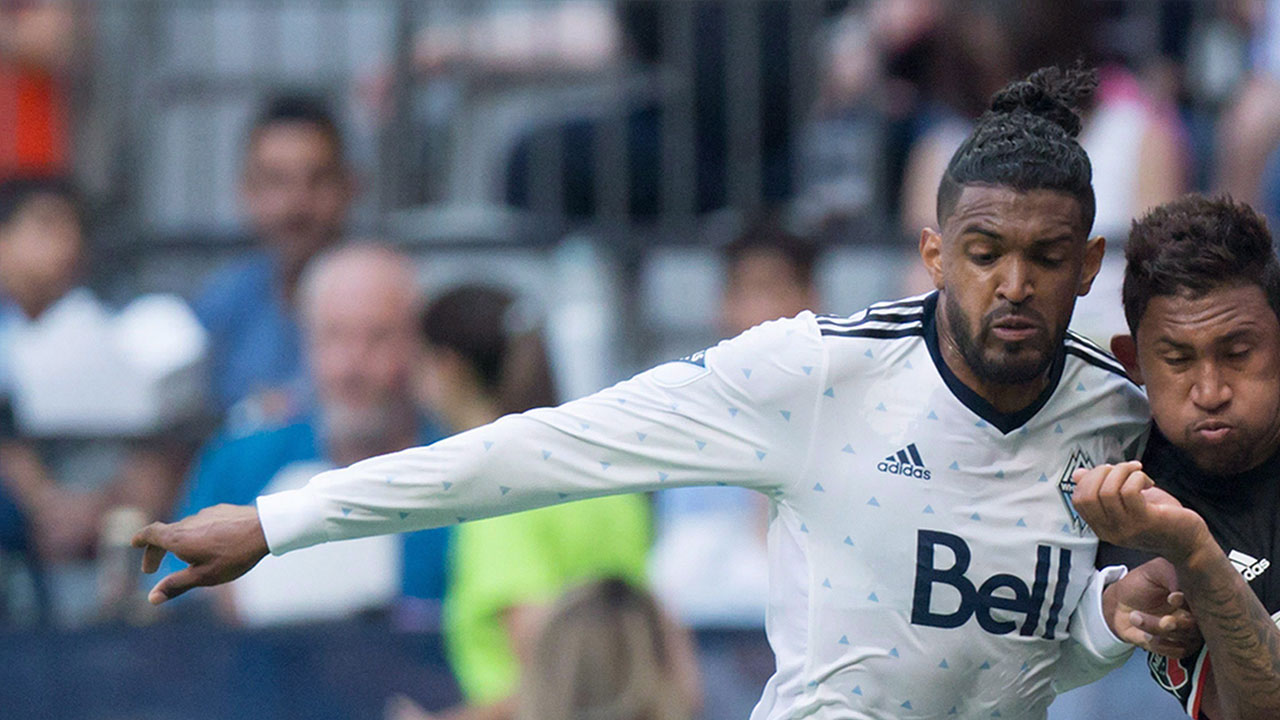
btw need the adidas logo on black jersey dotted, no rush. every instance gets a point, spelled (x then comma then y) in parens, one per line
(1247, 565)
(905, 462)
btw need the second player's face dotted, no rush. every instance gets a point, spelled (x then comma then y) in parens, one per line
(1009, 266)
(1212, 369)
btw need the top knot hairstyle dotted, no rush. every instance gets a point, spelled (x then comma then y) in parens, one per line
(1195, 245)
(1027, 141)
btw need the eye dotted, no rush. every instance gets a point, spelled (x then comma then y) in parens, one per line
(1051, 259)
(1175, 360)
(1238, 352)
(982, 258)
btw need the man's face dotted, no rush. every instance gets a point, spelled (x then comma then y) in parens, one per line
(295, 189)
(1212, 368)
(1009, 266)
(763, 285)
(362, 350)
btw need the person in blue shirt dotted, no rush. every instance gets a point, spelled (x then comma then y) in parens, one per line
(296, 190)
(358, 308)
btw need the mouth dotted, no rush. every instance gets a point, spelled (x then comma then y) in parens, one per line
(1212, 430)
(1014, 329)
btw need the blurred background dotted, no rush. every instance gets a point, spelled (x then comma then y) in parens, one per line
(245, 240)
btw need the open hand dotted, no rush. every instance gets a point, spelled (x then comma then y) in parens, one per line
(219, 544)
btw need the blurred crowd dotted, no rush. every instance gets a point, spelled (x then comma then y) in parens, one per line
(806, 145)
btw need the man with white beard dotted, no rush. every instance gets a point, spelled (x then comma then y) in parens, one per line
(358, 306)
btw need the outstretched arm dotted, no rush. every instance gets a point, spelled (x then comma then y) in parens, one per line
(742, 414)
(1123, 506)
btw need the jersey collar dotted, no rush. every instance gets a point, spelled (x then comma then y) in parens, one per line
(1004, 422)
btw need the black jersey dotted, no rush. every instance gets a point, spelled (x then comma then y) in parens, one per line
(1243, 513)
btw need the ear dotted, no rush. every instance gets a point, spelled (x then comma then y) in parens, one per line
(1125, 348)
(931, 254)
(1094, 249)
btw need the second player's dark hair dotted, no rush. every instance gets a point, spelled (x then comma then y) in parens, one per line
(16, 192)
(483, 326)
(1027, 141)
(1196, 244)
(298, 107)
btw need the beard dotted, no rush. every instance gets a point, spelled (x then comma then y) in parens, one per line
(363, 425)
(995, 361)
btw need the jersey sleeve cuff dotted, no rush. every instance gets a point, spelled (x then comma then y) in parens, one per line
(1097, 635)
(291, 520)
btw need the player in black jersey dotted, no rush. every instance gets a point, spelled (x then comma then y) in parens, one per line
(1202, 299)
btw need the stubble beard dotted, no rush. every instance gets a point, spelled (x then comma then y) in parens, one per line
(1005, 368)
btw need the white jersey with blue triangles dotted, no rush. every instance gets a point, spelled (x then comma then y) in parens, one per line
(925, 561)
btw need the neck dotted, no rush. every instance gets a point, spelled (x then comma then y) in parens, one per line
(34, 307)
(1004, 397)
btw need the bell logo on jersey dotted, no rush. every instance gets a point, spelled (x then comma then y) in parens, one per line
(981, 600)
(905, 462)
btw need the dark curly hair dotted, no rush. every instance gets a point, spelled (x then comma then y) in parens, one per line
(1027, 141)
(1196, 244)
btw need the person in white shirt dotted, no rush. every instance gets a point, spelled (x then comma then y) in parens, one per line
(925, 559)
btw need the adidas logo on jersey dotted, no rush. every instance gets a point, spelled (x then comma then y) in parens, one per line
(1248, 566)
(905, 462)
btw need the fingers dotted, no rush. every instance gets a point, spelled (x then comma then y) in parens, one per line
(149, 535)
(151, 558)
(1131, 502)
(174, 585)
(152, 539)
(1109, 492)
(1177, 624)
(1085, 495)
(1173, 635)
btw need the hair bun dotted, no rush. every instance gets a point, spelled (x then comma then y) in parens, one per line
(1052, 93)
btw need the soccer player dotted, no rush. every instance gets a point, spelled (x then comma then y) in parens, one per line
(924, 558)
(1202, 297)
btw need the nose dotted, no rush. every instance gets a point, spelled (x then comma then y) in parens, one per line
(1016, 284)
(1210, 391)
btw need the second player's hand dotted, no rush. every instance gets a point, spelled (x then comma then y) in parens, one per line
(1123, 507)
(1145, 608)
(219, 544)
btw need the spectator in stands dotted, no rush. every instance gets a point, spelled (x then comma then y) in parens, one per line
(58, 488)
(41, 258)
(709, 561)
(1249, 127)
(485, 359)
(1132, 133)
(358, 305)
(770, 275)
(296, 190)
(607, 651)
(37, 43)
(633, 38)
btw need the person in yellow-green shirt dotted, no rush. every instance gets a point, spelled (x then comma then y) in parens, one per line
(485, 359)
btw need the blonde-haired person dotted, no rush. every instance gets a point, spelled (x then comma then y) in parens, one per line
(607, 652)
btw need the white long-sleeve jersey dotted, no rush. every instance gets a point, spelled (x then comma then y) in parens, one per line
(925, 559)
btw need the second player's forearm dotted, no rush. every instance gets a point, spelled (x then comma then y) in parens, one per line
(1242, 639)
